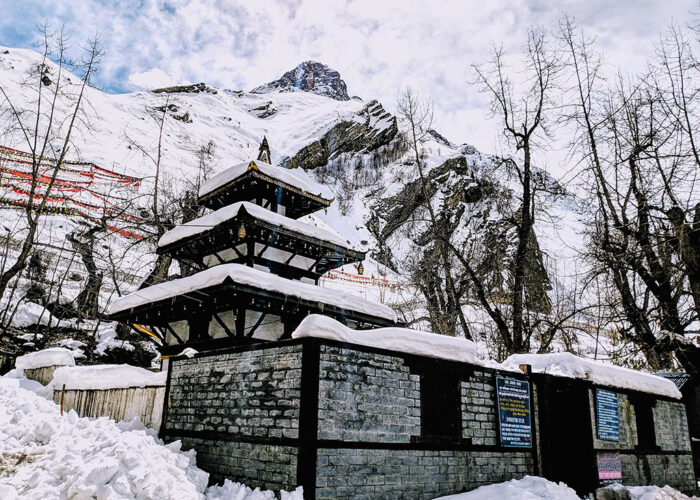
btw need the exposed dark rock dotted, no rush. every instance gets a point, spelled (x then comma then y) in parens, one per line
(185, 117)
(440, 138)
(46, 80)
(186, 89)
(309, 76)
(172, 108)
(264, 111)
(471, 203)
(375, 130)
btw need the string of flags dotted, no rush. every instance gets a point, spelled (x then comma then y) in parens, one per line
(76, 189)
(335, 274)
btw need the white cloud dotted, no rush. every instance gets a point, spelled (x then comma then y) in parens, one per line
(152, 79)
(377, 46)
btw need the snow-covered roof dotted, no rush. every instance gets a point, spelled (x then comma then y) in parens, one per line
(284, 175)
(564, 364)
(54, 356)
(248, 276)
(395, 339)
(103, 377)
(222, 215)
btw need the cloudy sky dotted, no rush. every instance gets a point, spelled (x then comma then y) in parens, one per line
(378, 46)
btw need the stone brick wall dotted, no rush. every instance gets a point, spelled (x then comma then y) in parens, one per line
(412, 474)
(479, 417)
(367, 397)
(231, 408)
(671, 426)
(268, 466)
(671, 430)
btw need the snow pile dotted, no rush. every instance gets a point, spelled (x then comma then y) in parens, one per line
(30, 314)
(651, 492)
(395, 339)
(49, 456)
(564, 364)
(237, 491)
(54, 356)
(527, 488)
(46, 456)
(103, 377)
(245, 275)
(106, 337)
(284, 175)
(227, 213)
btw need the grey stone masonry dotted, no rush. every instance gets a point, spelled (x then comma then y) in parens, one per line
(250, 393)
(412, 474)
(479, 417)
(674, 468)
(267, 466)
(232, 407)
(671, 426)
(367, 397)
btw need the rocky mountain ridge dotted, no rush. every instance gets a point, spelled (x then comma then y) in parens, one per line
(309, 76)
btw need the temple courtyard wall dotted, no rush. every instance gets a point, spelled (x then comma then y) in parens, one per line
(347, 421)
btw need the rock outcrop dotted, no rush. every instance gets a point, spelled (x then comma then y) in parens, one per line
(372, 128)
(309, 76)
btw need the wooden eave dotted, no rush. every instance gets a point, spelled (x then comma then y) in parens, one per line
(254, 184)
(225, 235)
(229, 295)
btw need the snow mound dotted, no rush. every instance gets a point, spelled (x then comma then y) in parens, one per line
(49, 456)
(395, 339)
(54, 356)
(30, 314)
(564, 364)
(527, 488)
(237, 491)
(651, 492)
(103, 377)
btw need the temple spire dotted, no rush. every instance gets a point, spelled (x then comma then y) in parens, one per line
(264, 152)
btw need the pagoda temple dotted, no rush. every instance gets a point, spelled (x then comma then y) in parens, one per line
(257, 266)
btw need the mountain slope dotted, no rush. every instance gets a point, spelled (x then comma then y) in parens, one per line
(353, 146)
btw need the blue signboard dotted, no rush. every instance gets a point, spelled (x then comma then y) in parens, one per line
(607, 415)
(514, 412)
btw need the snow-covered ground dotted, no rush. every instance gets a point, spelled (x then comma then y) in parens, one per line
(44, 456)
(537, 488)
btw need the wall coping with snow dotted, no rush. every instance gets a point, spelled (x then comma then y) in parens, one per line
(564, 364)
(105, 377)
(402, 340)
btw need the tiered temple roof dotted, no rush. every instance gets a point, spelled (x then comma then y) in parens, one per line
(266, 185)
(257, 266)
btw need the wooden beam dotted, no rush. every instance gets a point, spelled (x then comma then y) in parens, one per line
(223, 325)
(240, 322)
(256, 325)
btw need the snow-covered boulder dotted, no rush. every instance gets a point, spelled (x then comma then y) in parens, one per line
(31, 314)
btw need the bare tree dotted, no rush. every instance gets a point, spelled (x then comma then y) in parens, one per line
(417, 117)
(636, 141)
(524, 120)
(47, 131)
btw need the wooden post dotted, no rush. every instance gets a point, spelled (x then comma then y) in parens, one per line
(63, 392)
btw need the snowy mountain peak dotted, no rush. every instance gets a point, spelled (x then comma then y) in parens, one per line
(309, 76)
